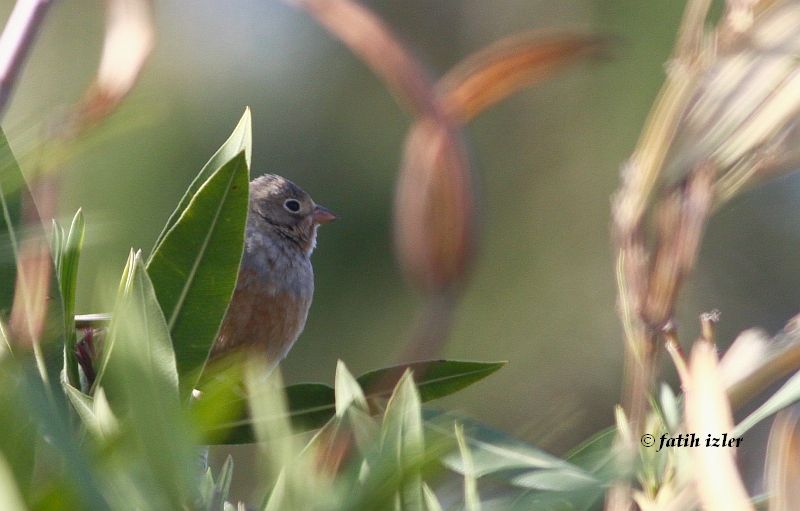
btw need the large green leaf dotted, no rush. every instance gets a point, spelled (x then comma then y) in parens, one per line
(138, 332)
(241, 139)
(434, 379)
(139, 375)
(311, 405)
(194, 269)
(280, 448)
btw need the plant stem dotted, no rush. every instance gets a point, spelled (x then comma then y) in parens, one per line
(15, 42)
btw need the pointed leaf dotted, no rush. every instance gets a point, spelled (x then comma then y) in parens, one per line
(402, 439)
(139, 375)
(786, 395)
(431, 502)
(434, 379)
(10, 496)
(223, 485)
(139, 329)
(311, 405)
(502, 456)
(241, 139)
(67, 271)
(471, 500)
(348, 392)
(195, 267)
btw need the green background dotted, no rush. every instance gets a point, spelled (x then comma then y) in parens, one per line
(542, 294)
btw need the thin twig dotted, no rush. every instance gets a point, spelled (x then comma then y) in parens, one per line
(15, 43)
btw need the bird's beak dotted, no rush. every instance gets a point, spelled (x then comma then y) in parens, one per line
(322, 215)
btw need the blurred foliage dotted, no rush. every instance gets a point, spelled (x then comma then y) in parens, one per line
(543, 293)
(128, 438)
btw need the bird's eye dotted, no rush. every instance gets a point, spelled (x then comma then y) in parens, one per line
(292, 205)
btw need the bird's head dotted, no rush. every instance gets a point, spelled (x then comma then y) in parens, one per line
(286, 210)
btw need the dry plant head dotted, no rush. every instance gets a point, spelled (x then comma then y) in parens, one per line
(435, 205)
(724, 120)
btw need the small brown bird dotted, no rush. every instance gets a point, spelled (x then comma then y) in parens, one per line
(276, 281)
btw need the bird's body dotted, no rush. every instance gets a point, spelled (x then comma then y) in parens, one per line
(275, 287)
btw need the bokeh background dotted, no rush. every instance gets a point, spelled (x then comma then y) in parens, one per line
(542, 295)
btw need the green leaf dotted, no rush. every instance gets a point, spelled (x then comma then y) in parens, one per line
(94, 411)
(18, 440)
(277, 497)
(472, 501)
(596, 454)
(49, 411)
(241, 139)
(10, 496)
(139, 329)
(788, 394)
(139, 375)
(431, 502)
(311, 405)
(205, 491)
(195, 267)
(348, 392)
(281, 450)
(222, 488)
(434, 379)
(508, 459)
(402, 439)
(67, 260)
(670, 408)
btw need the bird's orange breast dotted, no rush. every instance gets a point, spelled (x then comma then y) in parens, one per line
(261, 318)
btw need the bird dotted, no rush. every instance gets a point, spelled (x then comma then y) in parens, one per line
(275, 285)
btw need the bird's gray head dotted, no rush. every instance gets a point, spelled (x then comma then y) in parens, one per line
(281, 207)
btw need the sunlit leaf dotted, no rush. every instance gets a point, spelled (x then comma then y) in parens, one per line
(241, 139)
(281, 450)
(194, 269)
(431, 502)
(402, 438)
(311, 405)
(67, 260)
(10, 496)
(222, 487)
(139, 330)
(496, 454)
(472, 501)
(139, 375)
(786, 395)
(348, 391)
